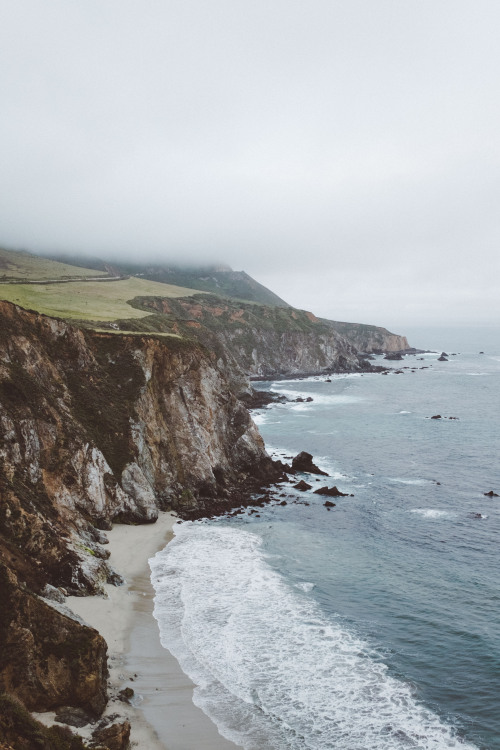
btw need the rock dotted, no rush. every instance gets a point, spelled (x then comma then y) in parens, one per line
(74, 717)
(309, 399)
(303, 462)
(393, 356)
(48, 659)
(329, 504)
(115, 737)
(50, 592)
(331, 492)
(491, 494)
(437, 416)
(126, 695)
(259, 399)
(442, 358)
(283, 502)
(302, 486)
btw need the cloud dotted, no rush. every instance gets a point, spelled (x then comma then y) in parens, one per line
(321, 146)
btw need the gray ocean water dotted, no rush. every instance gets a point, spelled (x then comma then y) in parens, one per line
(375, 625)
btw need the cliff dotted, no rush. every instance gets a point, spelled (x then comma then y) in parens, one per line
(252, 340)
(96, 428)
(366, 338)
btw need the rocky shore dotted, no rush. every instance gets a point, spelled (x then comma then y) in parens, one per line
(99, 429)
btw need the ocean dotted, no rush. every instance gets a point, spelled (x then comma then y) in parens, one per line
(374, 625)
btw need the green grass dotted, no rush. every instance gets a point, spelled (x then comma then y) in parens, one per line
(20, 265)
(89, 300)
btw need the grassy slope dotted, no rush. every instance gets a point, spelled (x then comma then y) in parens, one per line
(21, 265)
(78, 300)
(213, 279)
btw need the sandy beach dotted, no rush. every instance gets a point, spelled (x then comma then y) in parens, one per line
(163, 716)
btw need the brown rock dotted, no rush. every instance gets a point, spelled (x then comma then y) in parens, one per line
(303, 462)
(115, 737)
(47, 659)
(302, 486)
(331, 492)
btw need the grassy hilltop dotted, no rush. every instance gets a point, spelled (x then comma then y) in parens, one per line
(74, 293)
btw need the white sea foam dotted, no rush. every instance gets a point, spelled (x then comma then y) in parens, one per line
(270, 669)
(305, 586)
(318, 399)
(259, 418)
(413, 482)
(431, 512)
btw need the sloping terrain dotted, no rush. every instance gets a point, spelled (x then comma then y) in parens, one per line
(220, 280)
(23, 266)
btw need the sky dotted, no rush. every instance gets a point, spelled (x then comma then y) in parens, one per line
(344, 153)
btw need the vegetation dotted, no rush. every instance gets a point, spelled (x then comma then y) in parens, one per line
(19, 730)
(27, 267)
(220, 280)
(88, 300)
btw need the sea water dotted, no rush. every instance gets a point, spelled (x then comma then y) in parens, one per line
(374, 625)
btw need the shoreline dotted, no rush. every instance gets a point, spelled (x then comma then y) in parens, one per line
(162, 713)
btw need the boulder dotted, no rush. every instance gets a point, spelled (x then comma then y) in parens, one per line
(329, 504)
(303, 462)
(331, 492)
(73, 716)
(437, 416)
(127, 693)
(491, 494)
(302, 486)
(114, 737)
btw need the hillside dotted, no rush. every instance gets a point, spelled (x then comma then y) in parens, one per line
(220, 280)
(20, 265)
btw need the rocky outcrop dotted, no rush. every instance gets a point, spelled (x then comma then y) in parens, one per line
(254, 340)
(47, 658)
(99, 428)
(366, 338)
(303, 462)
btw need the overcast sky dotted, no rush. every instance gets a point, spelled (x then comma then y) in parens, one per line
(344, 153)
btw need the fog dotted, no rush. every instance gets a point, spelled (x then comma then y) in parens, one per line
(345, 154)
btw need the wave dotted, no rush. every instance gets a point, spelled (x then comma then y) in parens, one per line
(431, 513)
(320, 399)
(271, 670)
(413, 482)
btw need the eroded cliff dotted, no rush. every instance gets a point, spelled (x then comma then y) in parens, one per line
(254, 340)
(367, 338)
(96, 428)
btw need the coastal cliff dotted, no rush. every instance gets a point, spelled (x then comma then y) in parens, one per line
(253, 340)
(95, 428)
(368, 339)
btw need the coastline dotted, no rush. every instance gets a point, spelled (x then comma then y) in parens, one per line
(162, 714)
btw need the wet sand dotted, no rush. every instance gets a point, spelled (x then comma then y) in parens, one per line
(163, 715)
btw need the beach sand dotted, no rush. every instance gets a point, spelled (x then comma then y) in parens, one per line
(164, 716)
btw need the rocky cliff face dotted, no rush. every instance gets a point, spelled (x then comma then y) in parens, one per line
(255, 340)
(96, 428)
(369, 339)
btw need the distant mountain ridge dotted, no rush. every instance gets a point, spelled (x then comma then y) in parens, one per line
(215, 278)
